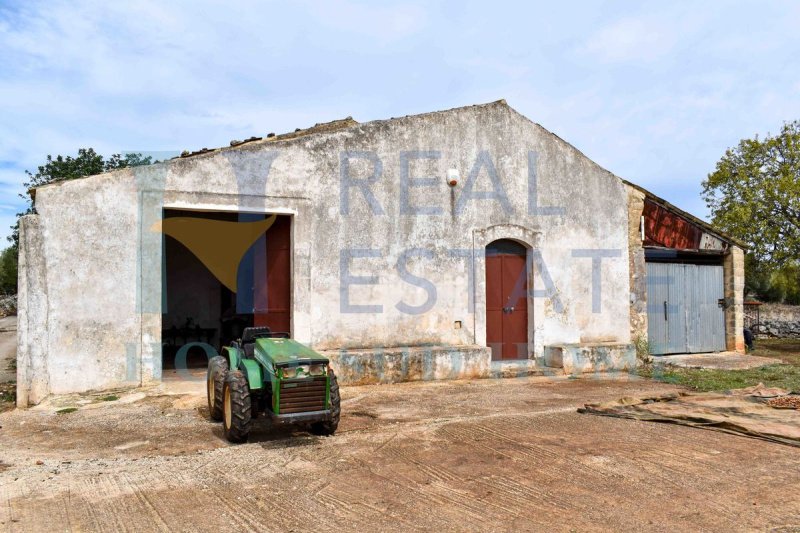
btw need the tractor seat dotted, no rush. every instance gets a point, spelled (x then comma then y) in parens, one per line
(249, 350)
(250, 335)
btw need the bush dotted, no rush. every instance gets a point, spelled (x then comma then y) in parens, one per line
(642, 350)
(8, 396)
(770, 284)
(8, 270)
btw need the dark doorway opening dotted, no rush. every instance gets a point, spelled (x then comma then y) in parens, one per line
(222, 272)
(507, 299)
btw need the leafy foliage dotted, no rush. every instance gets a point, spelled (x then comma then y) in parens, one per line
(8, 396)
(754, 195)
(772, 284)
(55, 169)
(87, 163)
(8, 270)
(643, 349)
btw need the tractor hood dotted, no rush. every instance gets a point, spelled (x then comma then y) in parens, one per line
(287, 352)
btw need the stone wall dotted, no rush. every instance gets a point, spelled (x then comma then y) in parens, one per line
(733, 266)
(637, 266)
(779, 320)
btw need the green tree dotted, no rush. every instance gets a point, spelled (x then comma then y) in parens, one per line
(772, 284)
(8, 270)
(87, 163)
(59, 168)
(754, 195)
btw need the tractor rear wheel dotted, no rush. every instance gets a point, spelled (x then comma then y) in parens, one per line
(215, 378)
(329, 427)
(236, 407)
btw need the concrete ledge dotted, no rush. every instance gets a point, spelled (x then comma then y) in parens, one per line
(715, 361)
(582, 358)
(411, 363)
(517, 369)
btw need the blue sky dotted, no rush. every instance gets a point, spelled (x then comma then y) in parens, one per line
(653, 91)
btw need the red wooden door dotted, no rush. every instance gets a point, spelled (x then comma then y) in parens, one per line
(273, 279)
(506, 300)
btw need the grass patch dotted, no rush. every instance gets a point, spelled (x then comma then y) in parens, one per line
(783, 376)
(66, 410)
(787, 350)
(786, 376)
(109, 398)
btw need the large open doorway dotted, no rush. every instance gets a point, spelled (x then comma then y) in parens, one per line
(222, 272)
(507, 299)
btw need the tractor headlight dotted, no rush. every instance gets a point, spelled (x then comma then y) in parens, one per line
(289, 372)
(299, 371)
(316, 370)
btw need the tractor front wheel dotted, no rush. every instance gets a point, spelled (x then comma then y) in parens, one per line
(329, 427)
(236, 407)
(215, 378)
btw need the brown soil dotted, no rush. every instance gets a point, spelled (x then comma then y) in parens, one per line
(488, 455)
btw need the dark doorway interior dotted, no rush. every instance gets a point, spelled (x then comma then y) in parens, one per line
(200, 308)
(507, 300)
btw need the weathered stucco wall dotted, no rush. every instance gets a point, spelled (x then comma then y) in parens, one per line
(594, 217)
(32, 332)
(516, 180)
(88, 254)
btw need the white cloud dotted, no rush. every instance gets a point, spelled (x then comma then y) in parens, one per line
(383, 22)
(630, 39)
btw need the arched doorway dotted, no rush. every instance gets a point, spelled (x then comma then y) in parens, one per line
(507, 299)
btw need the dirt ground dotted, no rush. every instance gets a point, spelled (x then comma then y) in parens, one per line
(486, 455)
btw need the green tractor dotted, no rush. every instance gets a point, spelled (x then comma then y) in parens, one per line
(268, 373)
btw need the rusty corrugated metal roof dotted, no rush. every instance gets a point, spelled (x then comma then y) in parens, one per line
(684, 232)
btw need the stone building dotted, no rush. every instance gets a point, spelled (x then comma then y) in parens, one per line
(460, 243)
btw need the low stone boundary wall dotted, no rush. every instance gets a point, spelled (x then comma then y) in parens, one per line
(779, 329)
(779, 321)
